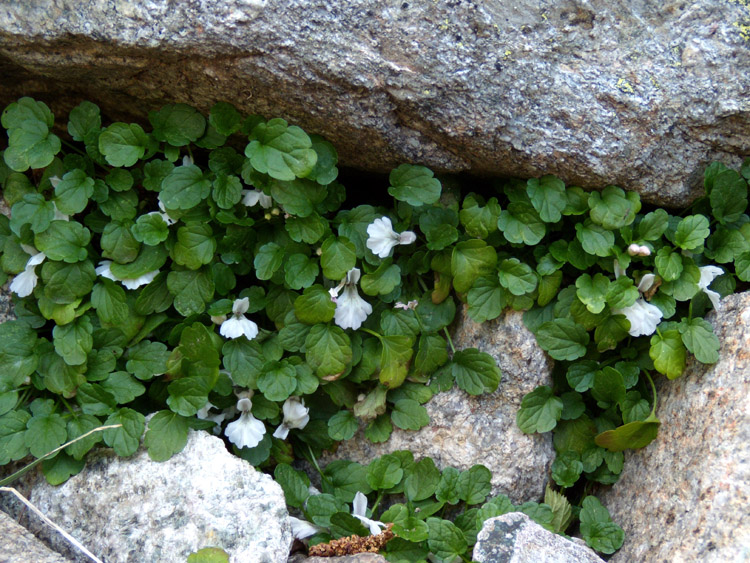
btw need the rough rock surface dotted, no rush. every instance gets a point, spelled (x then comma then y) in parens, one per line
(685, 496)
(516, 538)
(135, 509)
(639, 94)
(18, 545)
(466, 430)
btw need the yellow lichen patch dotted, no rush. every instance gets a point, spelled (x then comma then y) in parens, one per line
(625, 86)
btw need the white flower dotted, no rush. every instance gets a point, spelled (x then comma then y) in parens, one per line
(382, 238)
(708, 273)
(187, 160)
(254, 197)
(643, 316)
(639, 250)
(247, 431)
(295, 416)
(217, 418)
(238, 325)
(351, 309)
(359, 510)
(164, 215)
(406, 306)
(302, 529)
(24, 283)
(104, 271)
(59, 215)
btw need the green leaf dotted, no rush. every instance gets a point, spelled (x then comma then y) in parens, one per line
(384, 472)
(597, 527)
(475, 372)
(123, 387)
(225, 118)
(342, 425)
(26, 109)
(329, 350)
(653, 225)
(118, 243)
(314, 306)
(580, 375)
(547, 195)
(383, 280)
(595, 239)
(147, 359)
(474, 485)
(150, 229)
(12, 436)
(125, 440)
(521, 224)
(283, 152)
(78, 427)
(691, 232)
(154, 172)
(479, 221)
(563, 339)
(83, 119)
(540, 411)
(486, 299)
(167, 435)
(613, 208)
(73, 341)
(184, 187)
(345, 479)
(422, 480)
(699, 338)
(668, 264)
(18, 358)
(416, 185)
(123, 144)
(300, 271)
(244, 359)
(622, 293)
(294, 483)
(593, 291)
(337, 258)
(446, 540)
(188, 395)
(110, 303)
(439, 227)
(394, 360)
(562, 511)
(728, 196)
(567, 468)
(469, 260)
(277, 381)
(308, 229)
(432, 353)
(72, 193)
(609, 387)
(31, 145)
(227, 191)
(94, 399)
(192, 289)
(668, 353)
(322, 507)
(517, 277)
(325, 170)
(408, 414)
(64, 241)
(177, 124)
(33, 210)
(195, 245)
(119, 180)
(45, 433)
(379, 430)
(120, 206)
(399, 322)
(209, 555)
(434, 317)
(447, 489)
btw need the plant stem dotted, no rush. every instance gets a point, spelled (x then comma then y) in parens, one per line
(377, 502)
(450, 341)
(653, 390)
(315, 464)
(368, 331)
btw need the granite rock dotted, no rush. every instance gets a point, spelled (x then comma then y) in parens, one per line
(516, 538)
(685, 496)
(137, 510)
(466, 430)
(639, 94)
(18, 545)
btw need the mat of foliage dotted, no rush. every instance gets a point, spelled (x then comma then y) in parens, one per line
(208, 270)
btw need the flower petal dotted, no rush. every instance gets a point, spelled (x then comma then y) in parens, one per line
(245, 432)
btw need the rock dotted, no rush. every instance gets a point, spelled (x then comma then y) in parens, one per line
(136, 509)
(684, 497)
(641, 95)
(18, 545)
(466, 430)
(516, 538)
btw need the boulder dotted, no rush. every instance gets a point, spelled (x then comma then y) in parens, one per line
(466, 430)
(685, 496)
(639, 94)
(18, 545)
(136, 509)
(516, 538)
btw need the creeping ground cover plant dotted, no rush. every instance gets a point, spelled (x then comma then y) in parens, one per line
(208, 270)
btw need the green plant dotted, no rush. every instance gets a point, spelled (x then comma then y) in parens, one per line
(149, 277)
